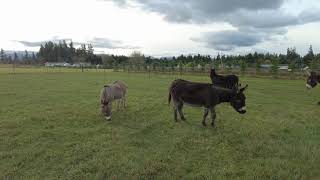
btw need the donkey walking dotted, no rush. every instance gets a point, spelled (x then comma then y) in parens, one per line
(204, 95)
(109, 93)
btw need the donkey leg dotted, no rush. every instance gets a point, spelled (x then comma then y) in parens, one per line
(118, 104)
(205, 114)
(175, 110)
(180, 106)
(175, 113)
(213, 116)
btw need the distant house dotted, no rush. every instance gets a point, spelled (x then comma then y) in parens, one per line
(265, 66)
(284, 67)
(56, 64)
(81, 65)
(65, 64)
(281, 67)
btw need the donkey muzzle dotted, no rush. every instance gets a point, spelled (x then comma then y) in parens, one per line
(242, 110)
(308, 86)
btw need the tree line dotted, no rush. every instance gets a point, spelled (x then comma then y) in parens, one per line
(26, 58)
(66, 52)
(63, 52)
(54, 52)
(291, 58)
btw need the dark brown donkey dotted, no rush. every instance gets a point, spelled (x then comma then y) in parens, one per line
(204, 95)
(228, 81)
(313, 80)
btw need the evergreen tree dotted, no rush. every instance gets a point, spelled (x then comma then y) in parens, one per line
(90, 49)
(9, 59)
(15, 57)
(34, 57)
(293, 58)
(2, 56)
(308, 58)
(243, 66)
(258, 65)
(26, 55)
(274, 67)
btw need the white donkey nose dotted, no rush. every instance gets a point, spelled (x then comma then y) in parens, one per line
(308, 86)
(242, 109)
(108, 117)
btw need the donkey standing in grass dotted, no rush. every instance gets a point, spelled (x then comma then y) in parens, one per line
(115, 91)
(313, 80)
(228, 81)
(205, 95)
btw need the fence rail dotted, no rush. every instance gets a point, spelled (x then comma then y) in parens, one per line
(157, 69)
(280, 73)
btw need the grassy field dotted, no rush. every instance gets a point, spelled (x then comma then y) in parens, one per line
(50, 128)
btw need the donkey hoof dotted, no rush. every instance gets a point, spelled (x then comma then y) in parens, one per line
(212, 125)
(318, 103)
(183, 119)
(204, 124)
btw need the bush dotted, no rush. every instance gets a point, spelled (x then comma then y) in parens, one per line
(274, 67)
(314, 64)
(258, 65)
(243, 66)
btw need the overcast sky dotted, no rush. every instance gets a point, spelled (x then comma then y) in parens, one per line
(163, 27)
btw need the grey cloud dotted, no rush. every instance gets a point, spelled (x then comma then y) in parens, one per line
(254, 13)
(109, 44)
(229, 40)
(270, 18)
(38, 43)
(255, 20)
(309, 16)
(261, 19)
(95, 42)
(30, 43)
(200, 11)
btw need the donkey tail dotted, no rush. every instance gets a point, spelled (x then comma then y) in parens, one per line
(169, 98)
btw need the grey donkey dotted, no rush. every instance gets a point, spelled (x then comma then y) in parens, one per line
(109, 93)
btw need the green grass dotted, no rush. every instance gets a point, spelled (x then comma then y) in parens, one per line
(50, 128)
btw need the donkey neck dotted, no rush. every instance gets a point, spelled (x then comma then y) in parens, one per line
(318, 78)
(224, 94)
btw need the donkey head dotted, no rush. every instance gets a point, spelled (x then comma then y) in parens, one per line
(106, 105)
(238, 101)
(106, 110)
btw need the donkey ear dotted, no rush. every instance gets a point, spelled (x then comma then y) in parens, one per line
(307, 71)
(244, 88)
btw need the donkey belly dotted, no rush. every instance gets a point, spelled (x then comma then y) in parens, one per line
(117, 94)
(193, 101)
(118, 97)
